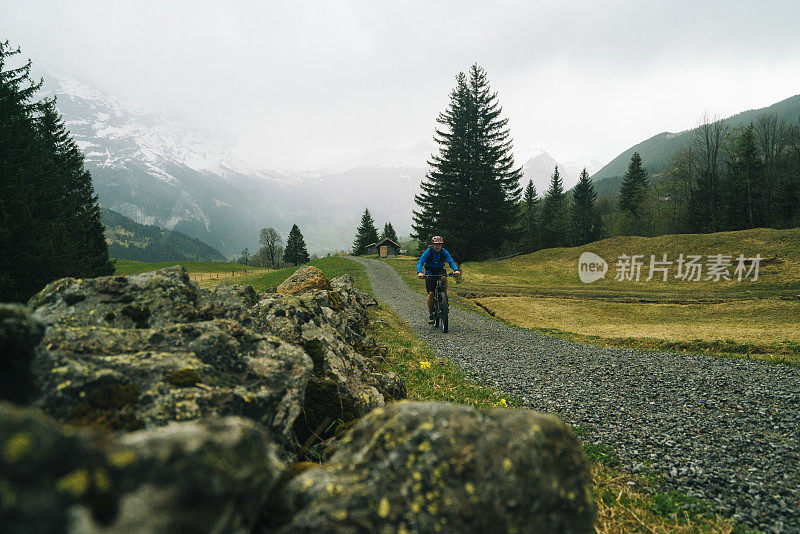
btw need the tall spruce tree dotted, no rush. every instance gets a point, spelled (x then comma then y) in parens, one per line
(554, 214)
(531, 233)
(585, 222)
(79, 212)
(635, 202)
(366, 234)
(49, 219)
(634, 186)
(471, 191)
(295, 252)
(389, 233)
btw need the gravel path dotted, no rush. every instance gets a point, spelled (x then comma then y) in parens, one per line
(722, 429)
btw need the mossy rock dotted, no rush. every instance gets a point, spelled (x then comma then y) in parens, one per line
(182, 378)
(437, 467)
(110, 408)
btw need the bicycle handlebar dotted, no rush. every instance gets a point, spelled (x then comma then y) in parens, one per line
(439, 275)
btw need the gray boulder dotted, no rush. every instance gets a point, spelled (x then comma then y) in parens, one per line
(19, 334)
(133, 352)
(434, 467)
(185, 477)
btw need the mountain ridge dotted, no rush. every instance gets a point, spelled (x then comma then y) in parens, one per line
(158, 171)
(658, 150)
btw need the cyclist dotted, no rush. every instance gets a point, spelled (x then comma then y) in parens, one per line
(433, 261)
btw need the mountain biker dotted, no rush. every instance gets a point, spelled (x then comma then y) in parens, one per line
(433, 261)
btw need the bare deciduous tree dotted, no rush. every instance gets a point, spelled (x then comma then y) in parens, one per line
(772, 137)
(706, 147)
(271, 240)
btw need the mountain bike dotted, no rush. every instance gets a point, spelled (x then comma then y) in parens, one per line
(441, 304)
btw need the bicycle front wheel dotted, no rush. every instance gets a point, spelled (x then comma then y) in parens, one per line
(445, 307)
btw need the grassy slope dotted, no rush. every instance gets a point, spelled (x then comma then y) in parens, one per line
(555, 271)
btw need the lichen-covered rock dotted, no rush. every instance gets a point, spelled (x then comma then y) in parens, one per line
(147, 300)
(344, 284)
(353, 312)
(19, 334)
(344, 385)
(433, 467)
(184, 477)
(304, 279)
(182, 354)
(246, 294)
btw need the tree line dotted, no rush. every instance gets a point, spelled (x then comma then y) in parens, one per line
(729, 179)
(471, 195)
(49, 216)
(726, 179)
(273, 254)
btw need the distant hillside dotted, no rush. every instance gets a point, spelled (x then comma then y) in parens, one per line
(130, 240)
(659, 150)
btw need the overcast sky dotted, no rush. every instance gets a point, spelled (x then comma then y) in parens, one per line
(310, 83)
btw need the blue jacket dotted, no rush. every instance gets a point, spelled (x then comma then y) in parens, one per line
(431, 260)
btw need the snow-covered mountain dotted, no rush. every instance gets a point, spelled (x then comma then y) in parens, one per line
(159, 170)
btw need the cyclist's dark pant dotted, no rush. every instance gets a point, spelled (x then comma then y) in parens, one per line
(430, 283)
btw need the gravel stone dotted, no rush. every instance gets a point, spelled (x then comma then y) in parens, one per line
(724, 429)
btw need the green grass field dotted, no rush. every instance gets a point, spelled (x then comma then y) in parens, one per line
(555, 271)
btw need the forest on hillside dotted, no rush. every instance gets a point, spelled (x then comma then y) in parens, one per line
(130, 240)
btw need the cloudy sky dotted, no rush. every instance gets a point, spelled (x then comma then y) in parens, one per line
(311, 83)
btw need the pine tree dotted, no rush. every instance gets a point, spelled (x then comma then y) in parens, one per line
(634, 186)
(366, 234)
(585, 222)
(295, 252)
(554, 214)
(532, 238)
(635, 203)
(471, 191)
(49, 218)
(82, 233)
(389, 233)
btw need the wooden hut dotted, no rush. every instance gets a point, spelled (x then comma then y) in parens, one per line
(386, 248)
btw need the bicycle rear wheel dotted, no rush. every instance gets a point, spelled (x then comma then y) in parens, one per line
(445, 307)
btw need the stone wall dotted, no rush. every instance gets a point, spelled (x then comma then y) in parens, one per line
(146, 403)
